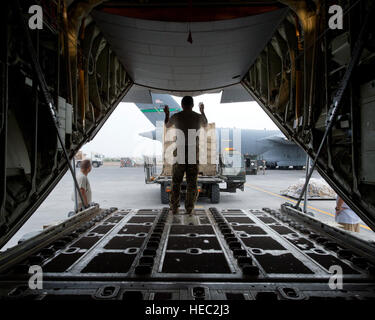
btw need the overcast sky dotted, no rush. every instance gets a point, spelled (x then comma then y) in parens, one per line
(119, 135)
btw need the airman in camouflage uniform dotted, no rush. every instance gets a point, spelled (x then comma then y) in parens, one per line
(185, 120)
(191, 186)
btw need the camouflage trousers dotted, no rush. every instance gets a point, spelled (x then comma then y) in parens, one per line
(178, 172)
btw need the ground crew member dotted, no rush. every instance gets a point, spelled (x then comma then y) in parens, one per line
(346, 216)
(185, 120)
(264, 167)
(84, 185)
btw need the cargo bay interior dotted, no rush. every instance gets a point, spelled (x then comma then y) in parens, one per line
(92, 55)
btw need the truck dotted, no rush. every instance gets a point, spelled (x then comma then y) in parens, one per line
(251, 164)
(95, 158)
(222, 173)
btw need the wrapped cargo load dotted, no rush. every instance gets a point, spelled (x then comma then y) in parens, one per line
(317, 189)
(207, 150)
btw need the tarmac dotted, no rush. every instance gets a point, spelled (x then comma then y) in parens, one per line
(124, 188)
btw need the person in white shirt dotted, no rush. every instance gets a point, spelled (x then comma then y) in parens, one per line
(84, 185)
(346, 216)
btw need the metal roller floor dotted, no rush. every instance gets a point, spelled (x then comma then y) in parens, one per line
(154, 255)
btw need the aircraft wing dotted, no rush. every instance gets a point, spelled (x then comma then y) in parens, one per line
(278, 139)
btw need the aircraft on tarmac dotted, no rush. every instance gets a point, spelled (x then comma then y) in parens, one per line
(269, 145)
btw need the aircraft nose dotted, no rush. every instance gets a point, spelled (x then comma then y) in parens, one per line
(148, 134)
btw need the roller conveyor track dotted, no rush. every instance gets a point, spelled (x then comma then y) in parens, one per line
(227, 254)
